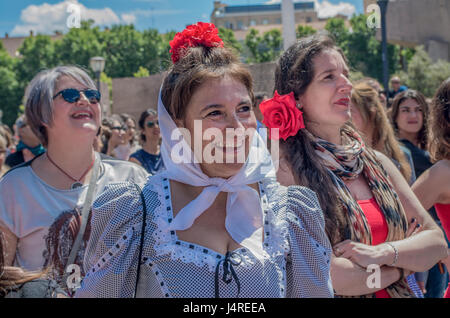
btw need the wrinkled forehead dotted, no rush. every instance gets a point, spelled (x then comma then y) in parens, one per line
(329, 60)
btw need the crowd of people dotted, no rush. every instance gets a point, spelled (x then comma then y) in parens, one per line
(93, 207)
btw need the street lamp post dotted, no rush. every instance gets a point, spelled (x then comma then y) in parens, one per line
(97, 64)
(383, 4)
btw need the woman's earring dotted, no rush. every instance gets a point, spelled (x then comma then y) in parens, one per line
(299, 106)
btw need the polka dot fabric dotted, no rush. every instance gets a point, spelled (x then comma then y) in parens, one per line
(174, 268)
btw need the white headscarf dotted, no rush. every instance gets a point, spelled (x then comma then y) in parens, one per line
(244, 216)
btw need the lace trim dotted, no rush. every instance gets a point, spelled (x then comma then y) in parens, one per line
(276, 229)
(166, 241)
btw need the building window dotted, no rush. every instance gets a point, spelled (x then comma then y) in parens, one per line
(265, 21)
(240, 25)
(252, 22)
(278, 21)
(308, 19)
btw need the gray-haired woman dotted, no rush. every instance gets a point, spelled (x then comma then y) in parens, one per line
(41, 201)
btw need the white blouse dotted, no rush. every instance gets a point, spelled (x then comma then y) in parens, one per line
(296, 260)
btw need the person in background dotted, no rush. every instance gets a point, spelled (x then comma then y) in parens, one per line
(377, 87)
(397, 88)
(3, 150)
(6, 132)
(115, 134)
(41, 201)
(29, 145)
(433, 186)
(409, 118)
(18, 283)
(370, 210)
(123, 151)
(370, 118)
(149, 156)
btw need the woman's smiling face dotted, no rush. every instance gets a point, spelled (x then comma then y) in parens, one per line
(220, 104)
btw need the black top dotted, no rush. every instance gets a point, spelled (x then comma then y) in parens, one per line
(14, 159)
(422, 162)
(421, 158)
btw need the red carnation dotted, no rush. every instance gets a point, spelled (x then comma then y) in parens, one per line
(199, 34)
(281, 112)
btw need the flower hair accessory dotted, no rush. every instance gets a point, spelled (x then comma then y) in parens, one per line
(199, 34)
(280, 112)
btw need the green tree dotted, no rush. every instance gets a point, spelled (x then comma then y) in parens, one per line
(37, 53)
(304, 31)
(337, 30)
(123, 50)
(165, 56)
(79, 45)
(152, 55)
(266, 48)
(424, 75)
(229, 39)
(9, 93)
(142, 72)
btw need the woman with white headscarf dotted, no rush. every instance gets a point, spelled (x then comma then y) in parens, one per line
(217, 224)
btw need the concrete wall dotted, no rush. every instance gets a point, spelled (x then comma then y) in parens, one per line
(134, 95)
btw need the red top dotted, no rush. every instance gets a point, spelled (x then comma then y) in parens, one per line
(378, 227)
(443, 212)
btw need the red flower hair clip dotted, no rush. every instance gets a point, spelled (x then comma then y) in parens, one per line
(199, 34)
(280, 112)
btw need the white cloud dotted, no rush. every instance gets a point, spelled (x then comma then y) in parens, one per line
(325, 9)
(128, 18)
(47, 18)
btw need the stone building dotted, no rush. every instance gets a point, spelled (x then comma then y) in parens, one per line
(245, 16)
(12, 44)
(262, 17)
(419, 22)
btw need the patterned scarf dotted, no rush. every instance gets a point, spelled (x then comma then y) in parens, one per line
(347, 162)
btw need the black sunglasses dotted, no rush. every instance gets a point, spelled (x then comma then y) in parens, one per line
(124, 128)
(72, 95)
(152, 124)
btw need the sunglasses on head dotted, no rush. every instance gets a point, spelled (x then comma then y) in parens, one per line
(72, 95)
(151, 124)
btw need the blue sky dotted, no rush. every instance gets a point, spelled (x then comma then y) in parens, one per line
(17, 17)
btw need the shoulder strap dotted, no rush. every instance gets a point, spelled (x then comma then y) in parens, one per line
(141, 245)
(84, 215)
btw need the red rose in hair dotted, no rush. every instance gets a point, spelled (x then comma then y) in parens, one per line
(281, 112)
(199, 34)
